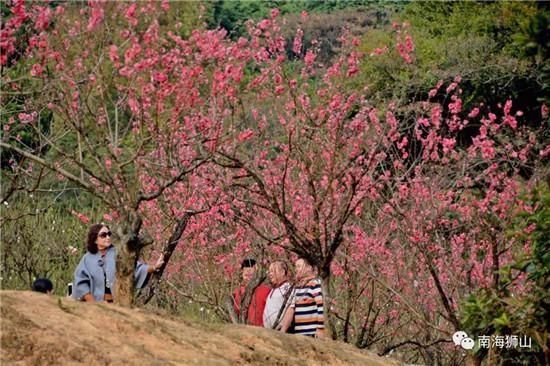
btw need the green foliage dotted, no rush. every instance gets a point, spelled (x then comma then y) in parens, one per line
(534, 43)
(505, 312)
(20, 134)
(472, 39)
(232, 15)
(533, 36)
(537, 266)
(185, 14)
(183, 305)
(38, 231)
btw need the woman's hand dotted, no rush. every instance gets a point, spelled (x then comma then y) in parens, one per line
(287, 320)
(159, 263)
(320, 333)
(155, 267)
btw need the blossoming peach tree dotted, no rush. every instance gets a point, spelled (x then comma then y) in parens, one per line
(136, 110)
(418, 199)
(277, 154)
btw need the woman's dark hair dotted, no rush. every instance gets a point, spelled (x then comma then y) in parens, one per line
(248, 262)
(92, 237)
(42, 285)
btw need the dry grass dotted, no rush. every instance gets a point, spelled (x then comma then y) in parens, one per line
(43, 330)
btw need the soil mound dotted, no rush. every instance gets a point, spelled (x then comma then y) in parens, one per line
(42, 330)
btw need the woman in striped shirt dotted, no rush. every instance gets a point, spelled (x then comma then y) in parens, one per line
(306, 308)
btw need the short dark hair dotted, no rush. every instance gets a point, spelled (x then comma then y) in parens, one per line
(248, 262)
(42, 285)
(91, 245)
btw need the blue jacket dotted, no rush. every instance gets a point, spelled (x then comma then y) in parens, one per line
(93, 269)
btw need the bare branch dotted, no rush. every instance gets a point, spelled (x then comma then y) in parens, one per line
(167, 251)
(404, 343)
(57, 169)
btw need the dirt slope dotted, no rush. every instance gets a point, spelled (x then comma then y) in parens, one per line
(43, 330)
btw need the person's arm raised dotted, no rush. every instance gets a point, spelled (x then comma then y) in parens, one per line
(156, 266)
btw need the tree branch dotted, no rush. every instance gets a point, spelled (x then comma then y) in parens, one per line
(146, 295)
(404, 343)
(56, 169)
(177, 178)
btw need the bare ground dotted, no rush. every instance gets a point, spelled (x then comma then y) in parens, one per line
(42, 330)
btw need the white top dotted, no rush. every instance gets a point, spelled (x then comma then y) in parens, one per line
(273, 305)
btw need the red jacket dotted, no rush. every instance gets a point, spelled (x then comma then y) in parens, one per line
(257, 304)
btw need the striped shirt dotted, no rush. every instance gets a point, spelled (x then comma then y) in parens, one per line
(308, 308)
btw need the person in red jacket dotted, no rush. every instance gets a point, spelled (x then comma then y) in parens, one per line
(259, 297)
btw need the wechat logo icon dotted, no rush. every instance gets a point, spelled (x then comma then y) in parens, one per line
(461, 339)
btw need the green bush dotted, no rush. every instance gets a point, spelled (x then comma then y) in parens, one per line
(476, 40)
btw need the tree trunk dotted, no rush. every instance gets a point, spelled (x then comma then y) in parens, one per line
(472, 360)
(124, 292)
(147, 294)
(350, 293)
(230, 309)
(128, 247)
(330, 328)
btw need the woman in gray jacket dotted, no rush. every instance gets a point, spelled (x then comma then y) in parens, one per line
(95, 275)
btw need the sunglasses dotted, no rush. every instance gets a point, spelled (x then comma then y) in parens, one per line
(104, 235)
